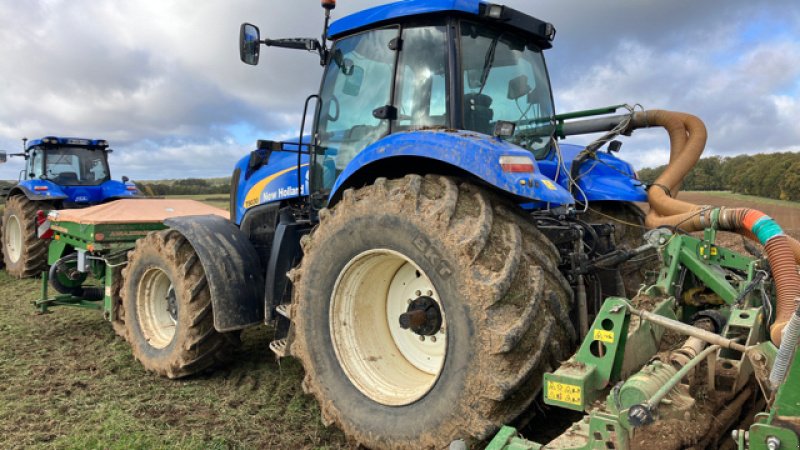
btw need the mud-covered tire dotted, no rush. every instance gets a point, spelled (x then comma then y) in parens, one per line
(629, 231)
(188, 343)
(24, 254)
(506, 307)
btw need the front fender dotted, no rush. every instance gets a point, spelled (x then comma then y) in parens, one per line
(476, 154)
(232, 269)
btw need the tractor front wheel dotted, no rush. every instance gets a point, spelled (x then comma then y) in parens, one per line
(426, 311)
(167, 308)
(25, 255)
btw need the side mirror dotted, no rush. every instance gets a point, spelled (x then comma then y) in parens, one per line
(249, 43)
(3, 156)
(125, 179)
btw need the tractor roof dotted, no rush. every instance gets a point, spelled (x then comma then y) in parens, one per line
(372, 17)
(76, 142)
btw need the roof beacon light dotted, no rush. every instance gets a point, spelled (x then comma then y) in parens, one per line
(517, 164)
(329, 4)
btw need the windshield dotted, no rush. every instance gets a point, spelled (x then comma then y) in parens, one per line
(505, 79)
(75, 166)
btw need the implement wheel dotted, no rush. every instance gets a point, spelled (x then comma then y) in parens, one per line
(167, 308)
(426, 311)
(25, 255)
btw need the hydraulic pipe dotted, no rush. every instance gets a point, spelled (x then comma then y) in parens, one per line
(688, 330)
(664, 390)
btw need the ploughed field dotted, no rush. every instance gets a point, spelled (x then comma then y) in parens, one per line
(67, 381)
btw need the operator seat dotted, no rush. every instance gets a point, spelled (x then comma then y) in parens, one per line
(478, 113)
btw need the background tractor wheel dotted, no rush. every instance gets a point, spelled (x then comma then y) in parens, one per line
(484, 313)
(167, 308)
(25, 255)
(628, 221)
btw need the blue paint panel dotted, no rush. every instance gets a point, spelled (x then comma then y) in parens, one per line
(282, 187)
(475, 153)
(610, 178)
(81, 195)
(396, 10)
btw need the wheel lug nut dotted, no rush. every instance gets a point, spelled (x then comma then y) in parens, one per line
(410, 300)
(433, 338)
(429, 293)
(418, 293)
(422, 338)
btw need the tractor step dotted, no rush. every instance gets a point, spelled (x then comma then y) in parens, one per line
(280, 348)
(285, 310)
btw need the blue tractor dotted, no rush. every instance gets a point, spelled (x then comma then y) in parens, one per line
(59, 173)
(428, 249)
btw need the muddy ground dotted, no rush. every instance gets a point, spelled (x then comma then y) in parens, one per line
(67, 381)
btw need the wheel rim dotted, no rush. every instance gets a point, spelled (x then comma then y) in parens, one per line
(156, 308)
(13, 233)
(390, 365)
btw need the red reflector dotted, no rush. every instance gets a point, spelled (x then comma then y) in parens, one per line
(131, 188)
(40, 188)
(517, 168)
(516, 164)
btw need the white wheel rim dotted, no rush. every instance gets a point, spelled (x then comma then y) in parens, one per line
(13, 234)
(152, 307)
(387, 363)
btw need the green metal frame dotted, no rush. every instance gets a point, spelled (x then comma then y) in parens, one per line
(109, 242)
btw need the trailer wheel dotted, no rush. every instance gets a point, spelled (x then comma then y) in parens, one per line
(426, 311)
(628, 220)
(25, 255)
(167, 308)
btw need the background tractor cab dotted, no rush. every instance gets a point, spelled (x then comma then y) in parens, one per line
(59, 173)
(455, 88)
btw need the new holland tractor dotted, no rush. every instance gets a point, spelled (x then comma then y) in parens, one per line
(440, 263)
(59, 173)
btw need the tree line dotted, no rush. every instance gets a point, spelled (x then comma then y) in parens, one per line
(188, 186)
(773, 175)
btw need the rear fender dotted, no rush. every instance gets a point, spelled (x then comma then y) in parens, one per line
(39, 190)
(232, 269)
(476, 154)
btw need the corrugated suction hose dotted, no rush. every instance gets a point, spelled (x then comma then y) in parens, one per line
(687, 136)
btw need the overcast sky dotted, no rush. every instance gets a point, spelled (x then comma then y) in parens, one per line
(161, 79)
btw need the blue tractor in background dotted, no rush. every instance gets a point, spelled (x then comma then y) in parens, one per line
(59, 173)
(428, 249)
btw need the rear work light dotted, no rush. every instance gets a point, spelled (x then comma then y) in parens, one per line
(517, 164)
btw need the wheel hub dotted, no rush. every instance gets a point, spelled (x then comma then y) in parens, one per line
(423, 317)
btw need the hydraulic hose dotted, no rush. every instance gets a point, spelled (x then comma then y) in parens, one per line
(687, 136)
(786, 350)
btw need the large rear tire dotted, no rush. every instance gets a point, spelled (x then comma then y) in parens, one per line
(502, 303)
(25, 255)
(167, 308)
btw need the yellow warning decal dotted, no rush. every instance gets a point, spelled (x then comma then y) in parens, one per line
(714, 251)
(549, 184)
(604, 336)
(565, 393)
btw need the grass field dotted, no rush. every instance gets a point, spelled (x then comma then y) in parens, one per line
(67, 381)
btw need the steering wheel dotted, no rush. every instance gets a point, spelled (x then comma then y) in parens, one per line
(333, 101)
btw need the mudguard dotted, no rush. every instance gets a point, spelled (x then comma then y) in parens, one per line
(39, 190)
(475, 153)
(232, 268)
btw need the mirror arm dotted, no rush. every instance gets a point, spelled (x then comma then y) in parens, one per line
(296, 43)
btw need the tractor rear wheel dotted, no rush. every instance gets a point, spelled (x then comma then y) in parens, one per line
(167, 308)
(25, 255)
(426, 311)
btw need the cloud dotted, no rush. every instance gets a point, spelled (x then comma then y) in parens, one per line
(162, 80)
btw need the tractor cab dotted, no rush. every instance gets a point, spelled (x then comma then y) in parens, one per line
(416, 66)
(67, 161)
